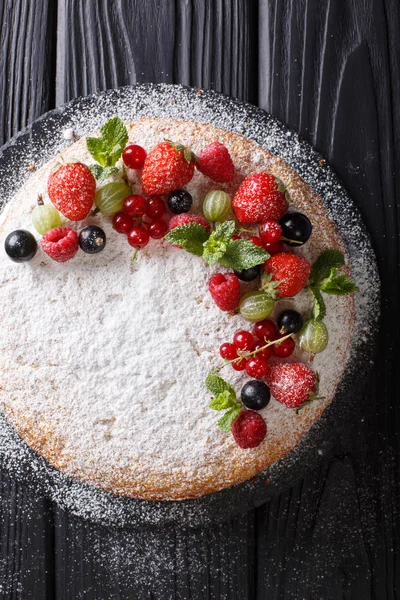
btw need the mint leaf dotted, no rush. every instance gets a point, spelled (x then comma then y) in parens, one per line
(100, 173)
(338, 284)
(319, 310)
(191, 237)
(218, 242)
(224, 400)
(242, 254)
(327, 260)
(107, 148)
(217, 385)
(225, 422)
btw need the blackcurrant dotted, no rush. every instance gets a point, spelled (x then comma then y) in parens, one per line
(290, 321)
(92, 239)
(20, 245)
(255, 394)
(248, 274)
(180, 201)
(296, 227)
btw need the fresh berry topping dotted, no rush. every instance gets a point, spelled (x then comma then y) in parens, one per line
(225, 290)
(274, 248)
(72, 189)
(134, 156)
(155, 208)
(167, 167)
(45, 217)
(239, 365)
(314, 337)
(122, 222)
(265, 330)
(296, 227)
(243, 340)
(157, 230)
(110, 198)
(254, 239)
(259, 198)
(255, 395)
(248, 274)
(92, 239)
(135, 206)
(216, 206)
(184, 219)
(61, 244)
(265, 353)
(290, 321)
(255, 306)
(215, 162)
(180, 201)
(292, 383)
(138, 237)
(285, 348)
(249, 429)
(236, 236)
(291, 271)
(228, 351)
(257, 367)
(20, 245)
(270, 232)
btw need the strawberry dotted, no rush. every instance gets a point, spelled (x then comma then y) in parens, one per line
(167, 167)
(249, 429)
(286, 274)
(215, 162)
(71, 189)
(292, 384)
(225, 290)
(61, 243)
(261, 196)
(185, 218)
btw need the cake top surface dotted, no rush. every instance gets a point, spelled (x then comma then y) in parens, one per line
(103, 360)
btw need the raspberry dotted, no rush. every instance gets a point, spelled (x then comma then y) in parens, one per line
(249, 429)
(215, 162)
(225, 290)
(61, 243)
(185, 218)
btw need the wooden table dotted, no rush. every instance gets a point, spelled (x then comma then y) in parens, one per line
(330, 69)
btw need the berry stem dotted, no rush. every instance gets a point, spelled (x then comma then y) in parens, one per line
(285, 239)
(40, 200)
(254, 352)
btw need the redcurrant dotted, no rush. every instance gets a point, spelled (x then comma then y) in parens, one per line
(265, 330)
(134, 156)
(122, 223)
(155, 208)
(157, 230)
(138, 237)
(239, 365)
(228, 351)
(257, 367)
(285, 348)
(243, 340)
(135, 206)
(270, 231)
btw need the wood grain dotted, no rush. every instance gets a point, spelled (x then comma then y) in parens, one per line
(330, 70)
(26, 63)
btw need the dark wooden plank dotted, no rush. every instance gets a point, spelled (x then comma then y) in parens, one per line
(26, 63)
(104, 44)
(331, 72)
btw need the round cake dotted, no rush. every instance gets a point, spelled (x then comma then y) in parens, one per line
(104, 357)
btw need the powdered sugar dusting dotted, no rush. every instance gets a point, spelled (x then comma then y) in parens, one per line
(185, 444)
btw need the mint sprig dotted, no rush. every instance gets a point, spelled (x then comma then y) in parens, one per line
(218, 242)
(101, 173)
(218, 246)
(224, 399)
(326, 277)
(191, 237)
(107, 148)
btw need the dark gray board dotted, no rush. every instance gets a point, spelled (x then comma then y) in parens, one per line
(330, 70)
